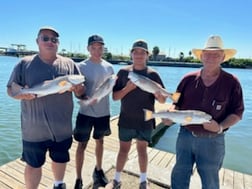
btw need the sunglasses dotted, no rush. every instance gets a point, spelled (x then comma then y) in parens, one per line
(52, 39)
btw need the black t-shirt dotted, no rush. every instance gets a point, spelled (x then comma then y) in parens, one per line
(132, 105)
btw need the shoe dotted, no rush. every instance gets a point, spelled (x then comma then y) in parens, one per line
(60, 186)
(113, 185)
(99, 178)
(144, 185)
(78, 184)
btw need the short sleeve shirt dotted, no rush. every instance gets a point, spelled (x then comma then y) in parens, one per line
(132, 104)
(95, 74)
(48, 117)
(222, 98)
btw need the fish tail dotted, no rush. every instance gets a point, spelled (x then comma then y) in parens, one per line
(175, 96)
(147, 114)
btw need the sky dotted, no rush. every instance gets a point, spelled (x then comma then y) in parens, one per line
(173, 25)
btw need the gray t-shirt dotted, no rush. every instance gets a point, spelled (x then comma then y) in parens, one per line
(95, 73)
(48, 117)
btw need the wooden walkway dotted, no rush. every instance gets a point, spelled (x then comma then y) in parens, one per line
(159, 170)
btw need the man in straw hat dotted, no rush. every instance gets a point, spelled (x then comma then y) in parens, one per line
(217, 93)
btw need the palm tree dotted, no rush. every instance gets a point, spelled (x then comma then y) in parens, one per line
(181, 56)
(190, 53)
(155, 52)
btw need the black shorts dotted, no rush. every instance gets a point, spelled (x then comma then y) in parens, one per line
(34, 153)
(85, 124)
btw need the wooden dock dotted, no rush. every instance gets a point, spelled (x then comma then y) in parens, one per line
(159, 170)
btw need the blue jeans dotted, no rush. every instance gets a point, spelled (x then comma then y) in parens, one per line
(207, 153)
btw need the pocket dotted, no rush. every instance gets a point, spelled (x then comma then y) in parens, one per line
(218, 107)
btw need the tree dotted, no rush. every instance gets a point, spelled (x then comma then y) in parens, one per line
(108, 56)
(181, 56)
(190, 53)
(155, 52)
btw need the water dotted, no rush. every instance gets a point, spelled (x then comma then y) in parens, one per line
(238, 139)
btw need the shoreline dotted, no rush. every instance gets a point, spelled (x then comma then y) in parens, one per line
(165, 63)
(156, 63)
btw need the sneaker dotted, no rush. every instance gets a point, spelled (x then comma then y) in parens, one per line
(99, 178)
(113, 185)
(78, 184)
(60, 186)
(144, 185)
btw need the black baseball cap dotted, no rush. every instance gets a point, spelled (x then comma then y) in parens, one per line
(95, 38)
(140, 44)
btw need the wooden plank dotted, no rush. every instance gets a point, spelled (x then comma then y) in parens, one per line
(247, 181)
(166, 160)
(159, 157)
(238, 180)
(10, 181)
(152, 153)
(221, 176)
(228, 178)
(18, 176)
(4, 186)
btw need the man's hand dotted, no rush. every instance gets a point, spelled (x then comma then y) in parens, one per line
(78, 89)
(169, 122)
(160, 98)
(212, 126)
(25, 96)
(130, 86)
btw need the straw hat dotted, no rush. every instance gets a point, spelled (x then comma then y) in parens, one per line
(215, 43)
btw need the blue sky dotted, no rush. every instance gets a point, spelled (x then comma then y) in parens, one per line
(174, 26)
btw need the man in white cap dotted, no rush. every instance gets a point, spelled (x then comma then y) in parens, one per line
(46, 122)
(218, 93)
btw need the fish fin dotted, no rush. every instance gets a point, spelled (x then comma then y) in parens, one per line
(62, 83)
(188, 119)
(147, 114)
(175, 97)
(47, 82)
